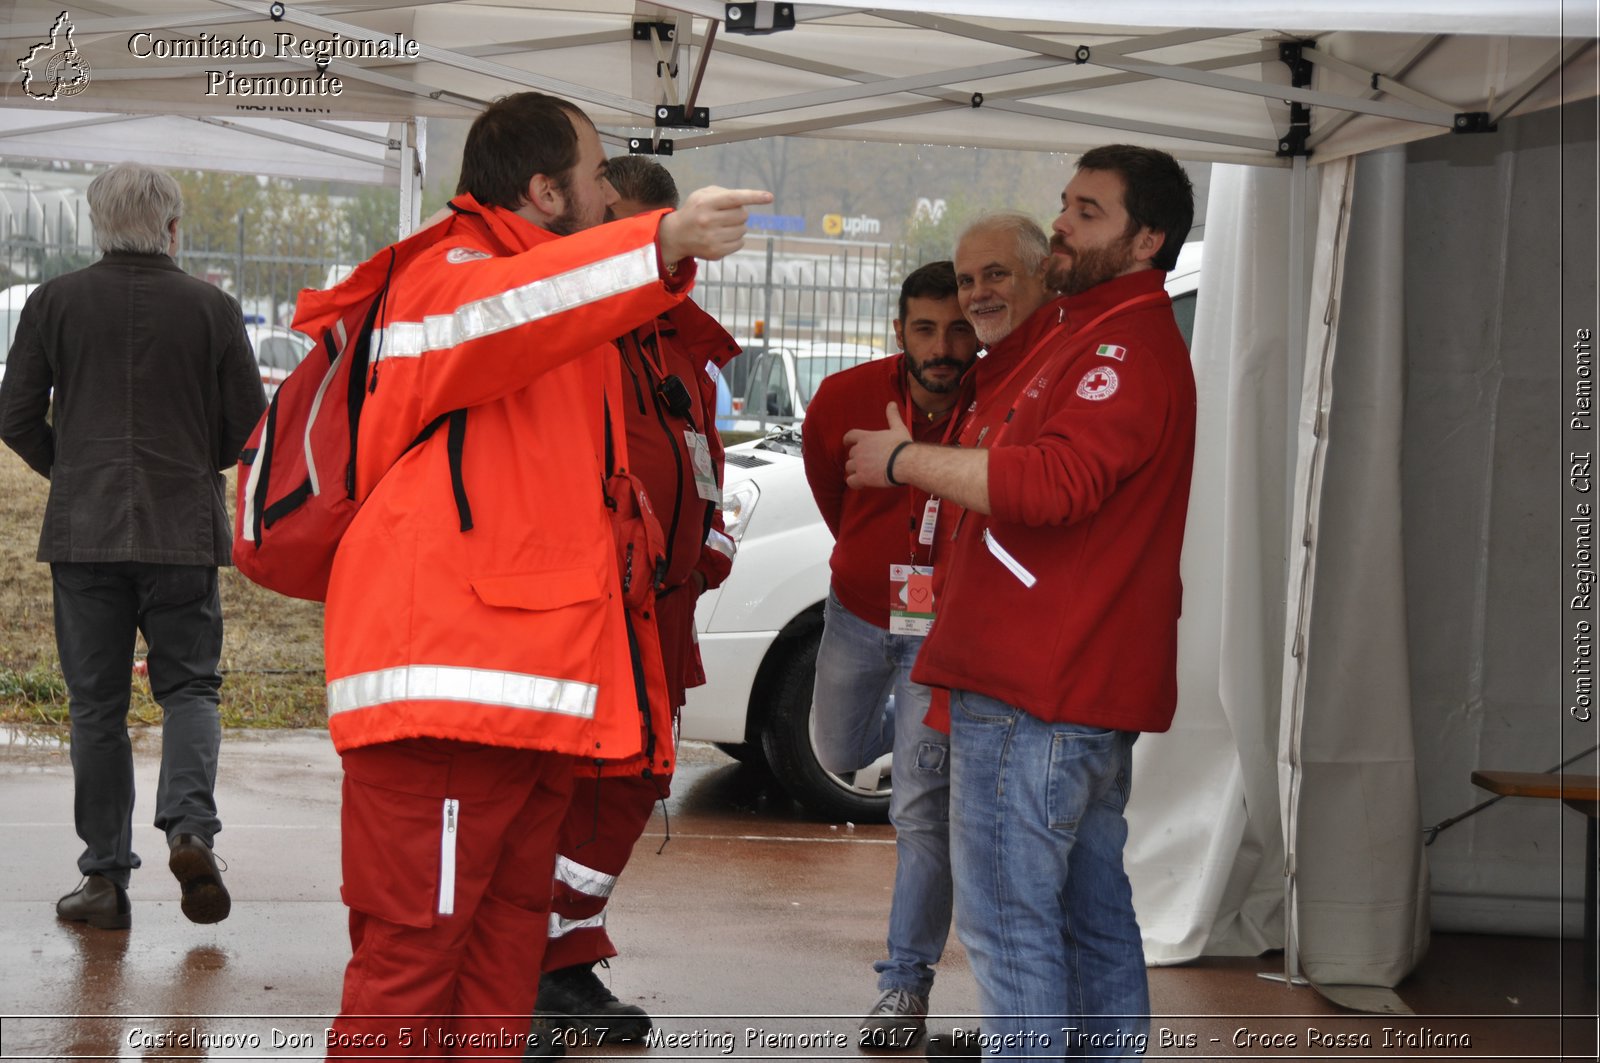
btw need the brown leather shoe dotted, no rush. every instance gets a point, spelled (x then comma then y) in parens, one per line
(99, 902)
(205, 898)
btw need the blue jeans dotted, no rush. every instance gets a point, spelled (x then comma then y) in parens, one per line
(858, 666)
(1043, 904)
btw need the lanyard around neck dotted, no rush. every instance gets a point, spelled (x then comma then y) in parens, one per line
(911, 495)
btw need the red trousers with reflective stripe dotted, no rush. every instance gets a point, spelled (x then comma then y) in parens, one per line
(445, 963)
(606, 817)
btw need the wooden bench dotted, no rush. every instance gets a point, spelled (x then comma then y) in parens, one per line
(1579, 792)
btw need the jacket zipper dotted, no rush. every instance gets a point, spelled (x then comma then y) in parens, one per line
(641, 690)
(447, 858)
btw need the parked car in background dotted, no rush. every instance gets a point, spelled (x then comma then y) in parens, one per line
(783, 378)
(278, 351)
(760, 630)
(759, 633)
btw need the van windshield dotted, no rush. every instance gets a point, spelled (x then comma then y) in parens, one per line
(811, 368)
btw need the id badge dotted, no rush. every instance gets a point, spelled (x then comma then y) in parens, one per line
(910, 599)
(930, 521)
(705, 474)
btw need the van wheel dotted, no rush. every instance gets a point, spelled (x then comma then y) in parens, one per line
(860, 797)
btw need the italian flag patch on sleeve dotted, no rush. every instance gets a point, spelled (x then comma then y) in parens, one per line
(1111, 350)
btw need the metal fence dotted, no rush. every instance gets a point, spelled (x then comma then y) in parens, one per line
(828, 298)
(51, 241)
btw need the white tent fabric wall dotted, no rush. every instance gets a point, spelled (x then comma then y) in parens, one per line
(1208, 871)
(1355, 838)
(1501, 272)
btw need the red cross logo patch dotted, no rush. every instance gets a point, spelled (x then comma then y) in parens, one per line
(1098, 384)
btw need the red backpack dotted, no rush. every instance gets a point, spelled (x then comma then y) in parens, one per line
(297, 472)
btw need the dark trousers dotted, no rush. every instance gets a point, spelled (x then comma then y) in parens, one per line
(98, 609)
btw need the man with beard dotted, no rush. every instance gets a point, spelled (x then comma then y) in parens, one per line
(1057, 630)
(479, 626)
(878, 609)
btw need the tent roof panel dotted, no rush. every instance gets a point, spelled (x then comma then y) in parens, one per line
(817, 78)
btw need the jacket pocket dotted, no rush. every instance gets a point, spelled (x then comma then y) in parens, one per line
(539, 591)
(398, 844)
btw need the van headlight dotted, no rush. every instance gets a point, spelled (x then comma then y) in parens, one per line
(738, 503)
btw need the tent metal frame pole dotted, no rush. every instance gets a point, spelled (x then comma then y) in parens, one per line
(392, 143)
(1295, 363)
(1381, 83)
(873, 85)
(1268, 148)
(1299, 300)
(284, 138)
(411, 158)
(1026, 43)
(1009, 100)
(176, 21)
(1531, 85)
(1404, 67)
(1403, 112)
(447, 57)
(56, 127)
(888, 86)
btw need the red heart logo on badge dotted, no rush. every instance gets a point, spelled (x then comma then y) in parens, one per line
(918, 595)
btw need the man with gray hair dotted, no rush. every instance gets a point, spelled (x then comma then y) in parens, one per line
(1073, 479)
(129, 386)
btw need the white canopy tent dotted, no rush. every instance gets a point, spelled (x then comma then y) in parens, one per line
(360, 152)
(900, 70)
(1292, 759)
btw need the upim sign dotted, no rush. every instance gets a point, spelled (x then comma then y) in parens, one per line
(860, 225)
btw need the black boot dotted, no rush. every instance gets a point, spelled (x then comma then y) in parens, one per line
(575, 998)
(205, 898)
(99, 902)
(542, 1041)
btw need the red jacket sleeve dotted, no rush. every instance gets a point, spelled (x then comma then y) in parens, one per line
(467, 326)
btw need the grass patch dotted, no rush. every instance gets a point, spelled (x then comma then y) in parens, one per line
(271, 645)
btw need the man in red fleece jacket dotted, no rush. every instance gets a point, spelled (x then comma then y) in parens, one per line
(1057, 630)
(878, 609)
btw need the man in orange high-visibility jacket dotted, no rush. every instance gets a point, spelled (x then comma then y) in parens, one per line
(669, 409)
(475, 631)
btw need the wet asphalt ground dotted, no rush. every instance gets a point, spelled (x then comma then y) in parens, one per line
(750, 934)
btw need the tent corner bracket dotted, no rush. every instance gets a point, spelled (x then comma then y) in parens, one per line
(677, 115)
(1473, 122)
(664, 31)
(757, 16)
(1293, 55)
